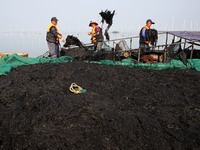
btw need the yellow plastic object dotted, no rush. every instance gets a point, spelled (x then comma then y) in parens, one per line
(76, 89)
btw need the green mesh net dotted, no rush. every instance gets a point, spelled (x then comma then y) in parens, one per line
(8, 62)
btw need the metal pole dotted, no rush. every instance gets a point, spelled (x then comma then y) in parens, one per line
(173, 39)
(166, 39)
(165, 49)
(114, 50)
(130, 43)
(191, 54)
(184, 44)
(139, 55)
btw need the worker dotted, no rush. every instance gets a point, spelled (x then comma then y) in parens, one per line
(144, 42)
(96, 36)
(52, 38)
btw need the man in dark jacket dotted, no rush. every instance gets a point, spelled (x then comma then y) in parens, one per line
(144, 42)
(52, 38)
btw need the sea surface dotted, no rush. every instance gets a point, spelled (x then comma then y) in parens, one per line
(34, 43)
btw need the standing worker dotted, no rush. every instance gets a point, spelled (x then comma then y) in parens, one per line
(144, 43)
(96, 36)
(52, 38)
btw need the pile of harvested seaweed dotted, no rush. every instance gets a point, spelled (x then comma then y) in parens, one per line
(124, 108)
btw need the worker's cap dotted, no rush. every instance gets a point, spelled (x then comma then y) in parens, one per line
(149, 20)
(92, 22)
(54, 19)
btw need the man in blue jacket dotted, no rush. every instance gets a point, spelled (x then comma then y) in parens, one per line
(144, 43)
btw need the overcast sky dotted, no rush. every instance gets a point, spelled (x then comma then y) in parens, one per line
(75, 15)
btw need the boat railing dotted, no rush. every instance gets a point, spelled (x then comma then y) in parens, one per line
(161, 47)
(112, 43)
(130, 39)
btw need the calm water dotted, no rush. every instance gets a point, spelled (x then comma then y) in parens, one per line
(34, 43)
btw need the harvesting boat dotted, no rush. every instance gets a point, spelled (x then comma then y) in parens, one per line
(181, 45)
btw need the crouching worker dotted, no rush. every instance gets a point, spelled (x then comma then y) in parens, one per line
(52, 38)
(96, 36)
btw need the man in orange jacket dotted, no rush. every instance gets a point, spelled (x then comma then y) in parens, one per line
(96, 36)
(52, 38)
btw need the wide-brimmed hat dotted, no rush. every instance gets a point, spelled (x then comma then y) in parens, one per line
(149, 20)
(54, 19)
(92, 22)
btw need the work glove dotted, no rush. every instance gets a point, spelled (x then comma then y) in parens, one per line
(63, 40)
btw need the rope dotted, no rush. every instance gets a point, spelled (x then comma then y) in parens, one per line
(74, 88)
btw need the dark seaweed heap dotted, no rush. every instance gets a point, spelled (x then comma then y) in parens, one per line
(124, 108)
(73, 41)
(152, 36)
(108, 17)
